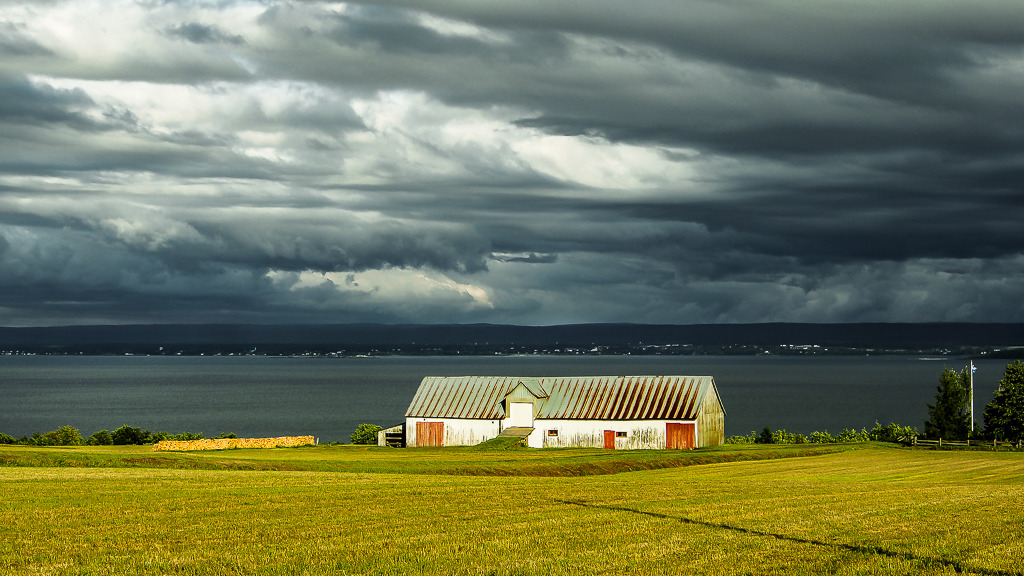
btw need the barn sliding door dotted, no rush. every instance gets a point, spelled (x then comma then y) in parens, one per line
(429, 434)
(680, 436)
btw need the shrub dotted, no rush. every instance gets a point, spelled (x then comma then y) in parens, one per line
(822, 438)
(100, 438)
(224, 435)
(365, 434)
(7, 439)
(160, 436)
(892, 433)
(751, 439)
(783, 437)
(851, 435)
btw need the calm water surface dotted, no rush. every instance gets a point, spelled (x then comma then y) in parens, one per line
(328, 398)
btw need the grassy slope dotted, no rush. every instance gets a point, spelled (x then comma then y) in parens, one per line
(468, 461)
(866, 511)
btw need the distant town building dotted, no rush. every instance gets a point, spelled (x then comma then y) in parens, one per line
(619, 412)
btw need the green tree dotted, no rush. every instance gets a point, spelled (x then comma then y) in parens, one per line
(365, 434)
(63, 436)
(950, 417)
(100, 438)
(130, 435)
(1004, 415)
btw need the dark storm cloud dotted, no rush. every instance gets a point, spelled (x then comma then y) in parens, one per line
(890, 49)
(203, 34)
(395, 32)
(265, 238)
(22, 102)
(786, 79)
(527, 162)
(530, 257)
(14, 42)
(69, 275)
(342, 245)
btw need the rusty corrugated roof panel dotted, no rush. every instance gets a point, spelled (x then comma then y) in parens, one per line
(439, 397)
(571, 398)
(638, 398)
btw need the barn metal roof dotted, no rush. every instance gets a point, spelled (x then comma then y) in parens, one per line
(568, 398)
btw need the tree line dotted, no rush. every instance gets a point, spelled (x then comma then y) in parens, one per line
(125, 435)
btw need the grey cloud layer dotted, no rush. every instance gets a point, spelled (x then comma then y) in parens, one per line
(530, 162)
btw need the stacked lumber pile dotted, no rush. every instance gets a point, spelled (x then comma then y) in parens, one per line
(227, 443)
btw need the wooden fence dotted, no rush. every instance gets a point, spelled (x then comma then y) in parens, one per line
(940, 443)
(227, 443)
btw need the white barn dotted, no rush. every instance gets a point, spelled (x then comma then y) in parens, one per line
(621, 412)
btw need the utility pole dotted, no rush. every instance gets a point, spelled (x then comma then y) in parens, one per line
(972, 395)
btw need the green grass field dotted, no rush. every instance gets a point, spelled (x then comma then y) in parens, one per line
(344, 510)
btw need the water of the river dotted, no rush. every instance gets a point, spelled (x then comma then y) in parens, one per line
(327, 398)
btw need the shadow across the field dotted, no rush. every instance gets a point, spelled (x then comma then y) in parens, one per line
(926, 561)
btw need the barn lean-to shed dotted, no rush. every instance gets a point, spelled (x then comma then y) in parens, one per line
(624, 412)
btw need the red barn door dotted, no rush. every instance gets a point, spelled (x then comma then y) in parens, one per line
(680, 436)
(609, 439)
(429, 433)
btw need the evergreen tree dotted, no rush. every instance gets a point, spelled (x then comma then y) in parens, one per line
(1004, 415)
(950, 417)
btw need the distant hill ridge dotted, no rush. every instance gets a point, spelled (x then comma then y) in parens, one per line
(325, 336)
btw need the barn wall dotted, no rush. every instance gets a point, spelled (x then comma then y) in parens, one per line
(711, 421)
(640, 434)
(457, 431)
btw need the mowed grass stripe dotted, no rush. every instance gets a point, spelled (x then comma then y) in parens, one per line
(918, 506)
(925, 561)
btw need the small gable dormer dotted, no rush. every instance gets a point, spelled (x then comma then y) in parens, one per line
(523, 402)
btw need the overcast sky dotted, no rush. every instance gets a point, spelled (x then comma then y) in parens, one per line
(512, 161)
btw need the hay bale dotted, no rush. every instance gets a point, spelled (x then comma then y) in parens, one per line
(228, 443)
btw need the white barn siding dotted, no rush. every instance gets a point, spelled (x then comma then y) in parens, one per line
(640, 434)
(457, 431)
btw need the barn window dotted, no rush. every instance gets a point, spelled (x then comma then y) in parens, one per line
(552, 432)
(620, 434)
